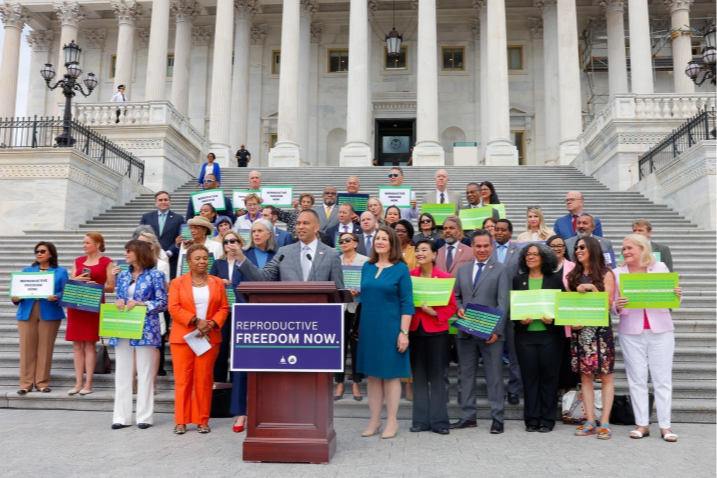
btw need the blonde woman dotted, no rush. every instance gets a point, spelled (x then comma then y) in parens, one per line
(375, 206)
(535, 225)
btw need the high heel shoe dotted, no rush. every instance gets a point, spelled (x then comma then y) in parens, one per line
(386, 435)
(239, 428)
(369, 432)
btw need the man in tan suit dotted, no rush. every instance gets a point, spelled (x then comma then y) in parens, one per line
(441, 195)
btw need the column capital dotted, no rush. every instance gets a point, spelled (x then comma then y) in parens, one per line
(675, 5)
(184, 10)
(535, 27)
(613, 5)
(14, 15)
(308, 8)
(95, 39)
(143, 37)
(40, 40)
(475, 28)
(481, 6)
(127, 12)
(70, 13)
(316, 30)
(202, 36)
(546, 6)
(258, 33)
(597, 23)
(660, 23)
(246, 9)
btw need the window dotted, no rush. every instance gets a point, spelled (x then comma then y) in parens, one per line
(696, 49)
(276, 62)
(518, 138)
(453, 58)
(338, 61)
(170, 65)
(113, 65)
(395, 63)
(515, 57)
(273, 138)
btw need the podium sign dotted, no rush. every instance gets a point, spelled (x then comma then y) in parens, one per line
(287, 338)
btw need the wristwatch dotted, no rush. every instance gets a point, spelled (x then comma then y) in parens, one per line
(405, 332)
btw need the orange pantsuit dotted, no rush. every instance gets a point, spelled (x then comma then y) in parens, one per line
(194, 376)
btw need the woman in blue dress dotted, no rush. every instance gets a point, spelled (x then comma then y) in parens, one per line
(386, 311)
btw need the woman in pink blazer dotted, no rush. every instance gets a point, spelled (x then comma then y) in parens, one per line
(648, 342)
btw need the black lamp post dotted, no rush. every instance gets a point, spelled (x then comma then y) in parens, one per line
(69, 84)
(709, 57)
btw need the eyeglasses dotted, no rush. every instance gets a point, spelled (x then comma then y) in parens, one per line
(401, 231)
(329, 194)
(345, 241)
(393, 175)
(230, 241)
(533, 254)
(426, 221)
(485, 190)
(581, 247)
(557, 246)
(40, 252)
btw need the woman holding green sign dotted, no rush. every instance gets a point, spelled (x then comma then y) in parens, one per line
(538, 342)
(142, 285)
(38, 321)
(648, 342)
(593, 347)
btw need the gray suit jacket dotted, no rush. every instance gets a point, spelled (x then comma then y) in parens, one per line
(453, 198)
(511, 258)
(331, 221)
(492, 291)
(570, 245)
(327, 266)
(665, 253)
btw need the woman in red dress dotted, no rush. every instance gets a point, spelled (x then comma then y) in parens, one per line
(83, 327)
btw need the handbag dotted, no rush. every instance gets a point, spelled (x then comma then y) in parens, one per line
(622, 412)
(574, 407)
(103, 365)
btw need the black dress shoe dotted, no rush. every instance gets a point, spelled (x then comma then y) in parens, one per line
(358, 398)
(464, 424)
(117, 426)
(496, 428)
(143, 426)
(442, 431)
(544, 429)
(419, 429)
(531, 428)
(513, 398)
(162, 373)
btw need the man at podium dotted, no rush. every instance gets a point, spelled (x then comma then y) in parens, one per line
(308, 260)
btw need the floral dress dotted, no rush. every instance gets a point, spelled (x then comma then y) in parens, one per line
(593, 348)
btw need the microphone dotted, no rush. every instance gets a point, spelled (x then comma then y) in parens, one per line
(308, 256)
(281, 257)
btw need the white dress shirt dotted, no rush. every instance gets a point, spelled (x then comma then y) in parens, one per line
(306, 264)
(445, 197)
(118, 97)
(475, 268)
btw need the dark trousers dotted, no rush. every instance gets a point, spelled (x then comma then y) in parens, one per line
(350, 345)
(242, 164)
(429, 356)
(162, 347)
(539, 354)
(237, 406)
(221, 366)
(568, 378)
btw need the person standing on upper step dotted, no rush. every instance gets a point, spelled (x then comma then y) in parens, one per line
(586, 228)
(507, 252)
(395, 179)
(567, 226)
(254, 186)
(353, 185)
(328, 212)
(166, 224)
(243, 157)
(441, 195)
(211, 182)
(643, 227)
(473, 196)
(210, 167)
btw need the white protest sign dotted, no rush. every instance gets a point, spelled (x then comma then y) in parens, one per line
(278, 196)
(399, 196)
(215, 197)
(32, 285)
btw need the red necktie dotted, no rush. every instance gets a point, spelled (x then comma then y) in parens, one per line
(575, 223)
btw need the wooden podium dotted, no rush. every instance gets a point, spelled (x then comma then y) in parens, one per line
(290, 416)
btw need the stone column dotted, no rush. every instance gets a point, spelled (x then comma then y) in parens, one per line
(14, 16)
(640, 48)
(617, 71)
(70, 15)
(220, 113)
(244, 12)
(140, 60)
(127, 14)
(571, 121)
(287, 153)
(93, 45)
(372, 7)
(185, 11)
(681, 43)
(499, 149)
(474, 26)
(535, 130)
(256, 77)
(317, 30)
(428, 150)
(551, 64)
(199, 63)
(356, 151)
(41, 42)
(157, 56)
(308, 8)
(482, 7)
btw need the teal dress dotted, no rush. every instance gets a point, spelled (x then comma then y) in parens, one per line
(383, 301)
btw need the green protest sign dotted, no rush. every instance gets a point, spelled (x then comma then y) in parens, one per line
(473, 218)
(231, 295)
(185, 265)
(82, 296)
(650, 291)
(451, 328)
(244, 234)
(358, 201)
(479, 320)
(432, 291)
(589, 309)
(127, 324)
(439, 211)
(352, 277)
(532, 304)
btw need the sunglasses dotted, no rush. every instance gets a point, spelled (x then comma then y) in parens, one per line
(392, 176)
(345, 241)
(426, 221)
(230, 241)
(209, 181)
(40, 252)
(581, 247)
(329, 194)
(534, 207)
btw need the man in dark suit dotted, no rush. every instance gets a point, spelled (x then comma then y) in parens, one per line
(643, 227)
(167, 225)
(368, 233)
(346, 212)
(586, 228)
(487, 282)
(328, 212)
(210, 182)
(305, 261)
(283, 238)
(507, 252)
(566, 226)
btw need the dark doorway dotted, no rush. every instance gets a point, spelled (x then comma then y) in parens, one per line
(394, 140)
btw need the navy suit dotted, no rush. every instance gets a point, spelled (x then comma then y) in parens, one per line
(228, 211)
(172, 227)
(283, 238)
(564, 227)
(340, 228)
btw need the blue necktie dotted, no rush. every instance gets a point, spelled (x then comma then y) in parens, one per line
(501, 253)
(480, 271)
(162, 218)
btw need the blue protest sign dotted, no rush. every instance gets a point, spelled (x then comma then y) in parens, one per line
(287, 338)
